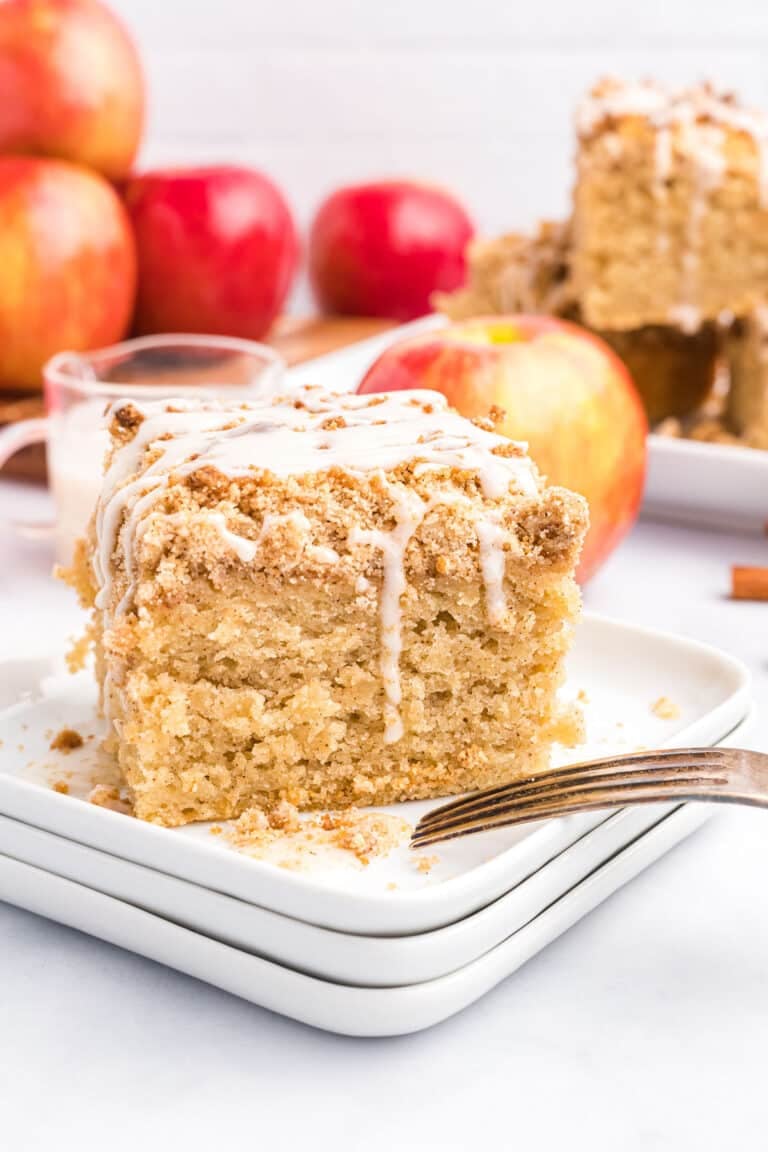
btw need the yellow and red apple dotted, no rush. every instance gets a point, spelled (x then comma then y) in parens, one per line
(71, 84)
(67, 264)
(562, 390)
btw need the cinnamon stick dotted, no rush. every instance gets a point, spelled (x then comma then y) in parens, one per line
(749, 583)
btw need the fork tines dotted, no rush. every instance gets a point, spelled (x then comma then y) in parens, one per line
(634, 778)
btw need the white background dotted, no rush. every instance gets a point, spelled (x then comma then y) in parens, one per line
(476, 95)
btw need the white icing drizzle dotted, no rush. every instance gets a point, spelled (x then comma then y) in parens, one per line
(311, 431)
(323, 555)
(379, 433)
(410, 510)
(686, 317)
(614, 99)
(245, 549)
(491, 538)
(705, 143)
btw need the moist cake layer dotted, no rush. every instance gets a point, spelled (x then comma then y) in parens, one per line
(325, 599)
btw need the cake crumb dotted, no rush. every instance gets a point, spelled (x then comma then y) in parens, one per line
(426, 863)
(567, 726)
(216, 830)
(665, 708)
(105, 797)
(362, 834)
(66, 740)
(284, 817)
(77, 654)
(61, 786)
(582, 696)
(391, 887)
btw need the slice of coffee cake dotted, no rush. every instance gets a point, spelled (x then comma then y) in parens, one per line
(326, 599)
(670, 220)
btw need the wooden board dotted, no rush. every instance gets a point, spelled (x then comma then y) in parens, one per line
(296, 338)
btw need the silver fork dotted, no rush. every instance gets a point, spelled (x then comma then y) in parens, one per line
(726, 775)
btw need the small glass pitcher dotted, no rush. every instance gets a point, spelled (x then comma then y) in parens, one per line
(78, 386)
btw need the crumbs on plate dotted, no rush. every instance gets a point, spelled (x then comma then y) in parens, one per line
(282, 836)
(106, 796)
(665, 708)
(426, 863)
(66, 740)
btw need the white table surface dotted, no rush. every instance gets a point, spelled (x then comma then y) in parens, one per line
(645, 1027)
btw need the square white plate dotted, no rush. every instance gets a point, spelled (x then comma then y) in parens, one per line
(369, 961)
(352, 1011)
(366, 961)
(622, 670)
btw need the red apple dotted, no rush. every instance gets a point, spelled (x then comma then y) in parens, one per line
(382, 249)
(562, 390)
(70, 84)
(67, 264)
(217, 250)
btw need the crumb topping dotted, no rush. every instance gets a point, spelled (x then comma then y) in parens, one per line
(612, 99)
(365, 835)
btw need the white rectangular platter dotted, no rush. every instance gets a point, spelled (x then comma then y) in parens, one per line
(713, 485)
(717, 486)
(353, 1011)
(621, 670)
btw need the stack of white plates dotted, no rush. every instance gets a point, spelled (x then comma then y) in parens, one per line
(379, 950)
